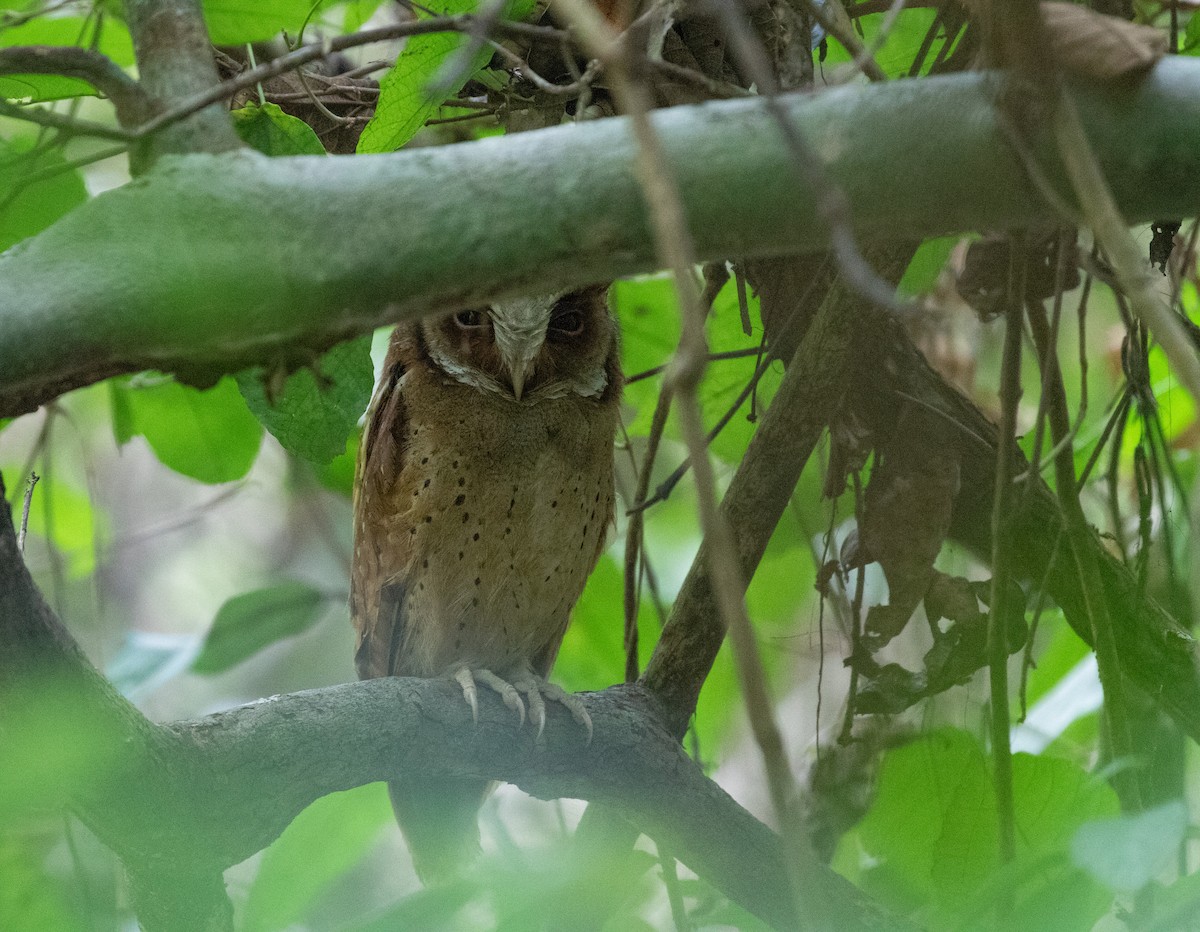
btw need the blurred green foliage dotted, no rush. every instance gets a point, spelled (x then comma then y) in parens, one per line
(120, 521)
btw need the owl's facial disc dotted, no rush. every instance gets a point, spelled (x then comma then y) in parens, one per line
(520, 330)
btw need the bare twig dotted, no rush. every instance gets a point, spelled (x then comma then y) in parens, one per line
(998, 603)
(319, 50)
(864, 58)
(674, 246)
(66, 124)
(831, 202)
(32, 481)
(712, 357)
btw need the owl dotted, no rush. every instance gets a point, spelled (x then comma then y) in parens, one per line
(483, 495)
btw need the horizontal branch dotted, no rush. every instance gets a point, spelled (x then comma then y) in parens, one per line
(185, 801)
(210, 263)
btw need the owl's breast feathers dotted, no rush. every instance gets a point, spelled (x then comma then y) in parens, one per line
(478, 519)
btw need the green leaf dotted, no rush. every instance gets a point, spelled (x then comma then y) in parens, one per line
(249, 622)
(319, 847)
(28, 206)
(209, 435)
(235, 22)
(318, 407)
(405, 102)
(926, 265)
(1128, 852)
(29, 897)
(114, 42)
(271, 131)
(930, 838)
(338, 474)
(357, 13)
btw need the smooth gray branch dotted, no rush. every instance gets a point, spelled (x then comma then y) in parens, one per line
(213, 263)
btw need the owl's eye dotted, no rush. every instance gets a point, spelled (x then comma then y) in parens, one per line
(567, 324)
(469, 320)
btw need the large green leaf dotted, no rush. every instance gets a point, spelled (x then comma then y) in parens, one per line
(930, 839)
(405, 100)
(209, 435)
(319, 407)
(249, 622)
(235, 22)
(29, 899)
(320, 846)
(28, 206)
(271, 131)
(114, 42)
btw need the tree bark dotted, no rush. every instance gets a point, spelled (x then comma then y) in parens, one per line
(212, 263)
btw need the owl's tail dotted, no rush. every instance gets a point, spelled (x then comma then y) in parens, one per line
(440, 822)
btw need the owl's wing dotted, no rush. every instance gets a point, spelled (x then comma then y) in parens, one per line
(376, 591)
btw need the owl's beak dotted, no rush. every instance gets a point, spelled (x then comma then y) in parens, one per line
(518, 364)
(520, 329)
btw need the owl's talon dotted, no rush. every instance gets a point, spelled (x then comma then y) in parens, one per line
(463, 677)
(572, 704)
(507, 692)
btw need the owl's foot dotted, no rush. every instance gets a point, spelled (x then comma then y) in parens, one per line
(468, 678)
(534, 688)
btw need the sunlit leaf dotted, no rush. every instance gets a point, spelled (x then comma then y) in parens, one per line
(405, 98)
(317, 407)
(1127, 852)
(931, 836)
(357, 14)
(271, 131)
(902, 40)
(209, 435)
(338, 474)
(35, 189)
(323, 842)
(926, 265)
(114, 42)
(235, 22)
(29, 899)
(249, 622)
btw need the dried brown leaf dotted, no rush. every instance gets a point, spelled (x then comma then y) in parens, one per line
(1105, 48)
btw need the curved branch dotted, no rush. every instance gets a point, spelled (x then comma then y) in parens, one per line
(180, 803)
(213, 263)
(131, 102)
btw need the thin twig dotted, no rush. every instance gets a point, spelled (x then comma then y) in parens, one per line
(712, 357)
(830, 200)
(319, 50)
(66, 124)
(675, 249)
(863, 57)
(33, 480)
(997, 640)
(1091, 587)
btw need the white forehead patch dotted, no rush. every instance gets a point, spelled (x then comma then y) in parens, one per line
(524, 317)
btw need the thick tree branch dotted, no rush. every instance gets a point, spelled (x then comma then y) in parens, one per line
(175, 62)
(179, 803)
(212, 263)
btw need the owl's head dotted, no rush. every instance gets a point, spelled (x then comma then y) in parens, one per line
(529, 349)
